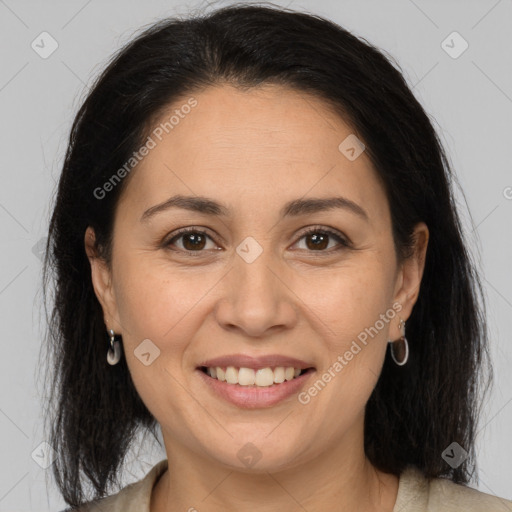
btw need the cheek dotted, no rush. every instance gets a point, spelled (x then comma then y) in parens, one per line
(149, 299)
(351, 299)
(165, 309)
(162, 304)
(354, 305)
(353, 347)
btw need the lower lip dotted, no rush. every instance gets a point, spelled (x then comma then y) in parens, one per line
(253, 397)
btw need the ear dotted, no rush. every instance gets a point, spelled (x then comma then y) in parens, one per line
(409, 276)
(102, 282)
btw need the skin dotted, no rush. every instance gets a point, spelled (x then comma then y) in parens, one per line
(253, 151)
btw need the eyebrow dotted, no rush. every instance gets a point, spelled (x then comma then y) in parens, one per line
(293, 208)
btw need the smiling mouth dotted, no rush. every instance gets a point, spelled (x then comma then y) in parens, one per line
(249, 377)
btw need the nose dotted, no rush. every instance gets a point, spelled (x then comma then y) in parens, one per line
(257, 299)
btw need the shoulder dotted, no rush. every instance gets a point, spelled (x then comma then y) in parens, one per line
(418, 494)
(135, 497)
(446, 495)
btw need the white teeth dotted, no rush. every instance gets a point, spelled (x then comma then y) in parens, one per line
(221, 374)
(263, 377)
(231, 375)
(246, 376)
(279, 375)
(288, 373)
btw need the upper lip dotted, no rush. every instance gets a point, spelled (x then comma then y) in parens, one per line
(256, 363)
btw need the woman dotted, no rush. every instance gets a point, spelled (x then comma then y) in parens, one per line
(253, 207)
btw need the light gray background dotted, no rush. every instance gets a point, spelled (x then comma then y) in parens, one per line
(470, 99)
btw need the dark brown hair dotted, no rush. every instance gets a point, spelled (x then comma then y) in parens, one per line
(415, 411)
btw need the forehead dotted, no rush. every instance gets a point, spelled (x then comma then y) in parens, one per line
(259, 146)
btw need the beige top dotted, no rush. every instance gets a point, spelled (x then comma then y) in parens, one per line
(415, 494)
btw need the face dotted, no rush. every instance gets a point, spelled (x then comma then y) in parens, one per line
(267, 278)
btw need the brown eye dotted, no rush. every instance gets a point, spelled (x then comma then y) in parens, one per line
(319, 240)
(192, 240)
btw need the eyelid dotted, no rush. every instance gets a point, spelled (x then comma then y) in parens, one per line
(342, 240)
(183, 231)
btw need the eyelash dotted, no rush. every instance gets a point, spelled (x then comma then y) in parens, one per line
(313, 230)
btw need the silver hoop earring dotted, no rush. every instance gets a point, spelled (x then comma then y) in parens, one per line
(400, 348)
(114, 350)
